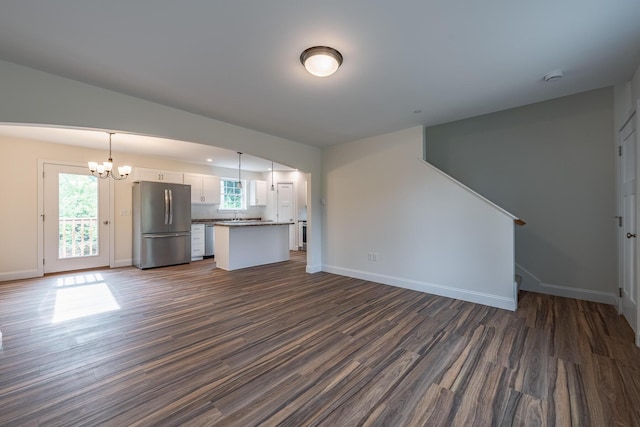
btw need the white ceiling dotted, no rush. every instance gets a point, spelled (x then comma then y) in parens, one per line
(406, 62)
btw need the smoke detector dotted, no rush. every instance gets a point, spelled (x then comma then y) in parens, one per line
(553, 76)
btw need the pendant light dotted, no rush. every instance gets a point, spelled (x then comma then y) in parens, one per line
(104, 170)
(272, 187)
(239, 171)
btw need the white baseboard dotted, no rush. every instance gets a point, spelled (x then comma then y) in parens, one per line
(578, 293)
(18, 275)
(313, 269)
(123, 263)
(444, 291)
(531, 283)
(575, 293)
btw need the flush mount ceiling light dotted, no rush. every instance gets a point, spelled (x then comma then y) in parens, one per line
(553, 76)
(103, 171)
(321, 61)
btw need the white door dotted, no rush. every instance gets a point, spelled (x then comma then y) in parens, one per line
(285, 210)
(628, 191)
(76, 219)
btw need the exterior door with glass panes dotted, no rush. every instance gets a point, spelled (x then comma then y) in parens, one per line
(76, 219)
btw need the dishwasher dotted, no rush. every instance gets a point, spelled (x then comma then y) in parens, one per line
(209, 240)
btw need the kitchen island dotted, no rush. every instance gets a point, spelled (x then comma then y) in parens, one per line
(241, 244)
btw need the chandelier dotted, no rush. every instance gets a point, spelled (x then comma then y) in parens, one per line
(103, 171)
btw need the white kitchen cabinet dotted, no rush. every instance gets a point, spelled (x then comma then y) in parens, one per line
(257, 193)
(143, 174)
(197, 242)
(205, 189)
(211, 189)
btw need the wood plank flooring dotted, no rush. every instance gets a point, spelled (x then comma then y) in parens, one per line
(195, 346)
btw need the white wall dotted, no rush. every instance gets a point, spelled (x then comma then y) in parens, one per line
(428, 232)
(34, 97)
(635, 84)
(625, 95)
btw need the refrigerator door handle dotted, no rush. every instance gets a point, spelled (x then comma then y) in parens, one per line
(166, 206)
(165, 236)
(170, 206)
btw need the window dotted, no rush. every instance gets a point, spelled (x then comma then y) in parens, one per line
(232, 196)
(78, 215)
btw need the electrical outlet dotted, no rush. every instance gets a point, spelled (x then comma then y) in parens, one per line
(374, 257)
(370, 256)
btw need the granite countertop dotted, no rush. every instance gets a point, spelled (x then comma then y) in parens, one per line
(214, 220)
(249, 223)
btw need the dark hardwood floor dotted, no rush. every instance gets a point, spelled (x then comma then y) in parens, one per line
(272, 345)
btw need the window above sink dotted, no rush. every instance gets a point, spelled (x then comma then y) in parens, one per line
(232, 196)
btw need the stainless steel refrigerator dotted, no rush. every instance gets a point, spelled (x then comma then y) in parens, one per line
(161, 224)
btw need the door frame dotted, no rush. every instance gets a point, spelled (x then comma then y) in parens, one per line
(40, 213)
(635, 116)
(294, 210)
(620, 230)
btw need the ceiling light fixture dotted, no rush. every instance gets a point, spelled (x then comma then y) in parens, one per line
(553, 76)
(239, 166)
(321, 61)
(272, 187)
(103, 171)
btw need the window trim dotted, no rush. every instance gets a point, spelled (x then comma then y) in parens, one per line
(243, 193)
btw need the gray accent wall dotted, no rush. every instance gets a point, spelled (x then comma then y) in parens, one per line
(552, 164)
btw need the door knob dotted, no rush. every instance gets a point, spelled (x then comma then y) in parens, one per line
(107, 223)
(629, 235)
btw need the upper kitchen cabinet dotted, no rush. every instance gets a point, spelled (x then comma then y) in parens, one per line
(257, 193)
(142, 174)
(205, 189)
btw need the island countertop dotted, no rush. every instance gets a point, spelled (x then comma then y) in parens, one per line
(249, 223)
(241, 244)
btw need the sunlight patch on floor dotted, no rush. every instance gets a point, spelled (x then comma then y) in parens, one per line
(81, 296)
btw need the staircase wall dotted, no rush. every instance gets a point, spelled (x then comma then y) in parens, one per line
(551, 164)
(392, 218)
